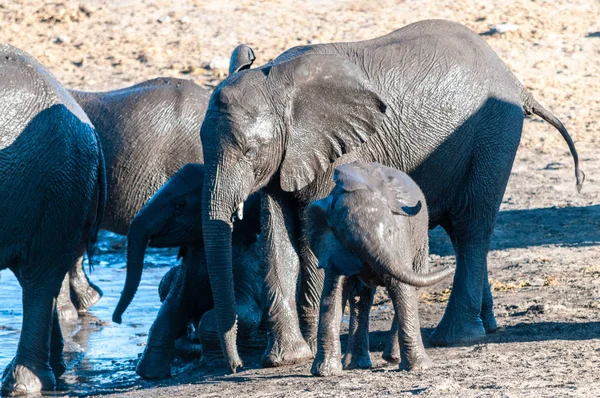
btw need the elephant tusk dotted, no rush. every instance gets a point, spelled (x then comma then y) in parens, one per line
(240, 211)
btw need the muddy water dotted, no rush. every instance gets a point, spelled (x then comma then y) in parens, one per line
(100, 355)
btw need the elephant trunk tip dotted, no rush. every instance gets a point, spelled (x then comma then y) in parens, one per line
(117, 318)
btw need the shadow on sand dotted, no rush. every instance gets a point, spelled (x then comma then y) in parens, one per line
(565, 227)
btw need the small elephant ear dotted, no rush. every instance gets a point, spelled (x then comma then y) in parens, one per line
(350, 177)
(242, 58)
(400, 192)
(333, 110)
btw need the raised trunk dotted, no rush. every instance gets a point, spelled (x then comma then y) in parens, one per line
(137, 239)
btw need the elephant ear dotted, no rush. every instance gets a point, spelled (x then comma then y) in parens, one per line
(400, 191)
(332, 110)
(242, 58)
(351, 177)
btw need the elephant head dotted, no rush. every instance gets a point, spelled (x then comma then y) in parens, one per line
(358, 224)
(168, 219)
(286, 121)
(171, 218)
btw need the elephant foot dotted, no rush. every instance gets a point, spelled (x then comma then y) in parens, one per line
(85, 295)
(286, 353)
(391, 352)
(326, 366)
(361, 361)
(455, 330)
(66, 311)
(419, 362)
(58, 366)
(153, 371)
(19, 379)
(489, 322)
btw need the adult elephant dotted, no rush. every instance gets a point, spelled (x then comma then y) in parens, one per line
(52, 194)
(431, 99)
(148, 132)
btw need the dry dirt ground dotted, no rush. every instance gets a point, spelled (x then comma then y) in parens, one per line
(545, 263)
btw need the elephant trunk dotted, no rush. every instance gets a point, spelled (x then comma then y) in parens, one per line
(137, 240)
(404, 273)
(222, 193)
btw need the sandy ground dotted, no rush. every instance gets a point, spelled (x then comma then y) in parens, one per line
(544, 264)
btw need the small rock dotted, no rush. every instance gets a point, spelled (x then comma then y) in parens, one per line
(500, 29)
(185, 19)
(164, 19)
(62, 39)
(143, 58)
(504, 27)
(87, 9)
(78, 63)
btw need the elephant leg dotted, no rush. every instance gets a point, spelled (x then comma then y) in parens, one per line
(84, 293)
(472, 222)
(57, 344)
(329, 351)
(412, 352)
(65, 308)
(391, 351)
(285, 343)
(30, 370)
(357, 353)
(170, 324)
(310, 295)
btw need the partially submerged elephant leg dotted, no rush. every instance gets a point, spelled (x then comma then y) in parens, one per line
(285, 344)
(65, 308)
(391, 351)
(329, 351)
(171, 323)
(360, 300)
(57, 344)
(412, 352)
(30, 370)
(84, 293)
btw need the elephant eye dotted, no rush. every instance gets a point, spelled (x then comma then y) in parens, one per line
(251, 152)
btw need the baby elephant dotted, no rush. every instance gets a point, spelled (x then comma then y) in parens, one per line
(172, 218)
(372, 226)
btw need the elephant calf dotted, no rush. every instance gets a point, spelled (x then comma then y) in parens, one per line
(373, 226)
(172, 218)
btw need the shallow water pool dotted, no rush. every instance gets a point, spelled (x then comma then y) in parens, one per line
(100, 355)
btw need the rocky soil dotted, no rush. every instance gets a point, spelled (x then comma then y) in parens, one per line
(544, 267)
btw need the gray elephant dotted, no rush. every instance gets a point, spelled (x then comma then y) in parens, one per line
(172, 218)
(148, 132)
(431, 99)
(52, 185)
(373, 226)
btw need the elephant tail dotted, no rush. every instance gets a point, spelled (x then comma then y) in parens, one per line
(530, 105)
(102, 192)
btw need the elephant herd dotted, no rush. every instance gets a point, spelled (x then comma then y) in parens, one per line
(292, 189)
